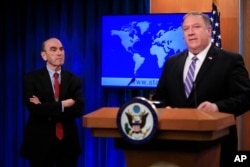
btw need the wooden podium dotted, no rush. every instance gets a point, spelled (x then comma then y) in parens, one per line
(185, 137)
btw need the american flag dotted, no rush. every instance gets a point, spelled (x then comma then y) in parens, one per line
(215, 18)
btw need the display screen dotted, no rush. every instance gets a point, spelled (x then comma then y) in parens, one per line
(135, 48)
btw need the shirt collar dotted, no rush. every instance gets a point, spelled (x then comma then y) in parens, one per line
(201, 56)
(51, 72)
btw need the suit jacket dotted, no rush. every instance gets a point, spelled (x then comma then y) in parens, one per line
(222, 79)
(39, 132)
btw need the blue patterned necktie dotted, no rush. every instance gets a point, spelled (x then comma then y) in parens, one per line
(190, 77)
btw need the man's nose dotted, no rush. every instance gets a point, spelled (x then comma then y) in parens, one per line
(59, 52)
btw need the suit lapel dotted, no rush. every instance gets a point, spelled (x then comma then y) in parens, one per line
(46, 81)
(180, 68)
(63, 85)
(208, 62)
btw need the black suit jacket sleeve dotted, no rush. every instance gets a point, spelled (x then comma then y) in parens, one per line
(238, 85)
(39, 132)
(39, 84)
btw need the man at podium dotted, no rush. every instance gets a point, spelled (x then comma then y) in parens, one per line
(206, 77)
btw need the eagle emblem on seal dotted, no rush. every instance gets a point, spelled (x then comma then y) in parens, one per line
(136, 122)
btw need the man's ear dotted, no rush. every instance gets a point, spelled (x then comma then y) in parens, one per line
(209, 30)
(44, 56)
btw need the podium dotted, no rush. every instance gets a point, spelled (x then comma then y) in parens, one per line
(185, 137)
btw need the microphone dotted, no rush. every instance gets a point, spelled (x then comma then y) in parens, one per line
(131, 81)
(127, 91)
(195, 94)
(157, 102)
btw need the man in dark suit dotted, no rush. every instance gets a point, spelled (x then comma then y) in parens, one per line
(219, 81)
(47, 110)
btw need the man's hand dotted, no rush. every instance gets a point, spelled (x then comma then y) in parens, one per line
(68, 102)
(35, 100)
(208, 106)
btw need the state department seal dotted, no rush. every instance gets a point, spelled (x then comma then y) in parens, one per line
(137, 120)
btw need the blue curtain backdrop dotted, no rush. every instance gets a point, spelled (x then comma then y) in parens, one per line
(24, 25)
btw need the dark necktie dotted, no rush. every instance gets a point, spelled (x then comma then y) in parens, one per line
(190, 77)
(59, 128)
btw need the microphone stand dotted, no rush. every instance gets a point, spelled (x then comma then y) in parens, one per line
(127, 91)
(195, 94)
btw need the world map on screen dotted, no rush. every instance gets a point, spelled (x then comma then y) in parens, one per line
(137, 46)
(163, 43)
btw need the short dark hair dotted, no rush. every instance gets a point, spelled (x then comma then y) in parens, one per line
(205, 17)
